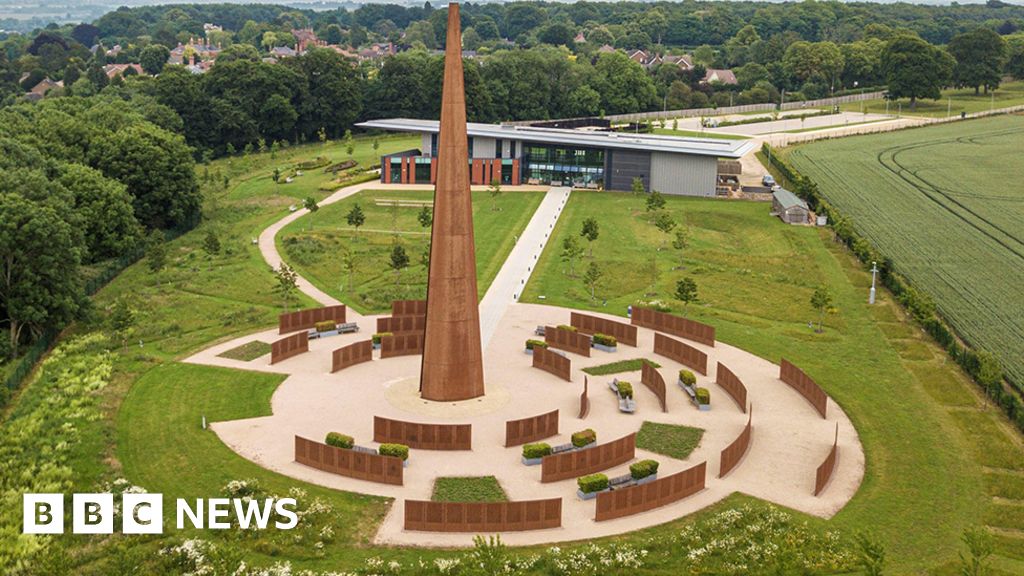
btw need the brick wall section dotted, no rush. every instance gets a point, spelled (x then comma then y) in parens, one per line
(733, 453)
(824, 472)
(644, 497)
(651, 378)
(681, 352)
(423, 436)
(401, 324)
(803, 384)
(408, 307)
(550, 362)
(732, 386)
(564, 339)
(624, 333)
(351, 355)
(588, 460)
(289, 346)
(483, 516)
(405, 344)
(532, 429)
(371, 467)
(306, 319)
(674, 325)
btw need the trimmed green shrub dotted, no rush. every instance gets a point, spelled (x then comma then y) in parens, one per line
(566, 327)
(339, 440)
(625, 389)
(311, 164)
(592, 483)
(396, 450)
(531, 344)
(605, 340)
(643, 469)
(703, 396)
(687, 377)
(584, 437)
(538, 450)
(326, 326)
(376, 337)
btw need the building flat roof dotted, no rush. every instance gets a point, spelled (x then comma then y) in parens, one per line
(717, 147)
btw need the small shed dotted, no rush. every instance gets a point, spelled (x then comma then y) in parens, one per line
(789, 207)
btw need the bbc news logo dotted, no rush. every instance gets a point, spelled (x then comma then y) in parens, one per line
(144, 513)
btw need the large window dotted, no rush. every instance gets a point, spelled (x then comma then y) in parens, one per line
(581, 167)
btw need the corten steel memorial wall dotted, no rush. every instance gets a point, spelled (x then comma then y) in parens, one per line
(372, 467)
(401, 324)
(733, 453)
(429, 516)
(351, 355)
(531, 429)
(305, 319)
(651, 378)
(655, 494)
(567, 340)
(675, 325)
(624, 333)
(803, 384)
(423, 436)
(824, 472)
(404, 344)
(550, 362)
(584, 400)
(732, 385)
(587, 460)
(408, 307)
(289, 346)
(681, 352)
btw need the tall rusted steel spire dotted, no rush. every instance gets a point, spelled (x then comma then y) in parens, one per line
(452, 366)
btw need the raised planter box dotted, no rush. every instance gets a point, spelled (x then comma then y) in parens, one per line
(647, 479)
(589, 495)
(313, 334)
(701, 407)
(376, 345)
(529, 351)
(604, 348)
(627, 405)
(531, 461)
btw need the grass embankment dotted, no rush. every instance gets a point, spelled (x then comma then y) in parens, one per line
(314, 244)
(468, 489)
(755, 277)
(697, 134)
(952, 103)
(247, 352)
(633, 365)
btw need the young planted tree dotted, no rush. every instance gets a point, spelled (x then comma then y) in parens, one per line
(122, 320)
(355, 217)
(591, 277)
(666, 223)
(638, 186)
(426, 217)
(277, 175)
(425, 256)
(348, 264)
(310, 204)
(821, 301)
(571, 250)
(321, 135)
(399, 261)
(350, 144)
(590, 231)
(686, 292)
(681, 242)
(655, 201)
(211, 243)
(376, 146)
(494, 190)
(287, 284)
(156, 255)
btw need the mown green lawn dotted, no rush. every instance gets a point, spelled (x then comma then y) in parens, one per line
(468, 489)
(925, 480)
(672, 440)
(314, 244)
(755, 277)
(952, 103)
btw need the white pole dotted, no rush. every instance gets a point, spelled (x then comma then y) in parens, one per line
(874, 271)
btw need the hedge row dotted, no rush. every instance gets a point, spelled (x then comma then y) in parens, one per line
(687, 377)
(643, 469)
(592, 483)
(584, 437)
(605, 340)
(538, 450)
(531, 344)
(625, 389)
(981, 366)
(339, 440)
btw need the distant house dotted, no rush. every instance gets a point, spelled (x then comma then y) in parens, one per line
(684, 62)
(282, 52)
(605, 49)
(114, 69)
(580, 38)
(305, 38)
(789, 207)
(202, 51)
(712, 75)
(39, 90)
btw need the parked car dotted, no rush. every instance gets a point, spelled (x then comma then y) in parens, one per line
(768, 180)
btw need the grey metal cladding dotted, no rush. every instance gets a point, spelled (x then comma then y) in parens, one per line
(622, 166)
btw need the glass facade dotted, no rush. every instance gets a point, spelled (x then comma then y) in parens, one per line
(580, 167)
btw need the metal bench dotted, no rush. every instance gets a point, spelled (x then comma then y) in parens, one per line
(348, 328)
(539, 331)
(619, 480)
(563, 448)
(364, 450)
